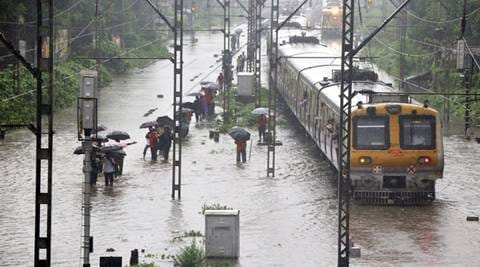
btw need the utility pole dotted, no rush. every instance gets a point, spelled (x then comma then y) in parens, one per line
(177, 60)
(194, 12)
(44, 140)
(44, 118)
(226, 60)
(251, 35)
(258, 53)
(87, 125)
(403, 37)
(177, 99)
(272, 84)
(98, 63)
(346, 85)
(275, 27)
(467, 73)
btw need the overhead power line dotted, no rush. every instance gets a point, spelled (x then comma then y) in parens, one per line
(411, 13)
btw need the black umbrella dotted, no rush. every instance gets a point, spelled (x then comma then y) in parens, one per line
(209, 85)
(195, 94)
(118, 135)
(79, 151)
(186, 110)
(165, 121)
(239, 134)
(101, 127)
(189, 105)
(110, 149)
(117, 153)
(149, 124)
(99, 138)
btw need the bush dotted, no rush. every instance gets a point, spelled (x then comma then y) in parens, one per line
(190, 256)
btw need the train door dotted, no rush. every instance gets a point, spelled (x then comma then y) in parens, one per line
(291, 90)
(304, 105)
(295, 98)
(329, 133)
(323, 124)
(335, 136)
(310, 115)
(317, 124)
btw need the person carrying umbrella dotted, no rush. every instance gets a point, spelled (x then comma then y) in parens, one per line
(165, 142)
(241, 136)
(119, 159)
(241, 150)
(197, 108)
(262, 126)
(108, 169)
(152, 137)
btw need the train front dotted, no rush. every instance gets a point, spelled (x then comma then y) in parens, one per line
(396, 153)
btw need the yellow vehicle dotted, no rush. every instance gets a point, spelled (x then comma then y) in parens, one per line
(396, 151)
(331, 17)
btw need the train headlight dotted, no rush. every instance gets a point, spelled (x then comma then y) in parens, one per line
(335, 11)
(424, 160)
(365, 160)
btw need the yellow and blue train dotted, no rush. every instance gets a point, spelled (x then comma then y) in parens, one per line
(396, 143)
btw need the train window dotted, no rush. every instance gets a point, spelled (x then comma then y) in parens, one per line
(371, 132)
(417, 132)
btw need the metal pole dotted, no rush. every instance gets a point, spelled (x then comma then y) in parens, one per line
(258, 54)
(229, 53)
(272, 92)
(177, 99)
(468, 73)
(344, 136)
(226, 59)
(348, 53)
(43, 196)
(177, 60)
(87, 170)
(97, 44)
(251, 35)
(403, 35)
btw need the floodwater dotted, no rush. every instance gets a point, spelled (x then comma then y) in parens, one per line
(288, 220)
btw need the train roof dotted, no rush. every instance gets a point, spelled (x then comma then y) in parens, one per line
(316, 65)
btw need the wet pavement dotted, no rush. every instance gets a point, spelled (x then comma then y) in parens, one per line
(288, 220)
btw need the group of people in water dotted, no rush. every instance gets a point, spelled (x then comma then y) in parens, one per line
(158, 140)
(109, 162)
(204, 104)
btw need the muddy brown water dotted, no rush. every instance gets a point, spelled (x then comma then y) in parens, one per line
(288, 220)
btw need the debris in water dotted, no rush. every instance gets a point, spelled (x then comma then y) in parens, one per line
(472, 219)
(149, 112)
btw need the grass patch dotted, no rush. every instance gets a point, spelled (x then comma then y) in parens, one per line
(241, 112)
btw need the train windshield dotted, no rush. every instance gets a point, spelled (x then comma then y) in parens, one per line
(370, 132)
(417, 132)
